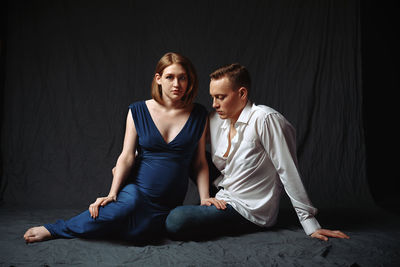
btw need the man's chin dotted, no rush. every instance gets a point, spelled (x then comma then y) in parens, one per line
(222, 116)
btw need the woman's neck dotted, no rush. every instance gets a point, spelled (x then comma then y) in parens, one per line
(167, 104)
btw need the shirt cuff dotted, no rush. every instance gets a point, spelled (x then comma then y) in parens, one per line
(310, 225)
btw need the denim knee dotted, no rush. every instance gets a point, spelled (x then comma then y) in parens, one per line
(176, 221)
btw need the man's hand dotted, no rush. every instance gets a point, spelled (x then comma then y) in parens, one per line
(323, 234)
(219, 204)
(101, 201)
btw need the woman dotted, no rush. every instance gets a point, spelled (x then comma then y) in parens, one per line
(168, 133)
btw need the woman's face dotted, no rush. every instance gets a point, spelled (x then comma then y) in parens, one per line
(173, 81)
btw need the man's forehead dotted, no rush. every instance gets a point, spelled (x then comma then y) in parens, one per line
(220, 86)
(222, 80)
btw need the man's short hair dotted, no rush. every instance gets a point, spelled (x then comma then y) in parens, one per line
(236, 73)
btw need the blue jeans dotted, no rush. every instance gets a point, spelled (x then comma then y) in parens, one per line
(203, 222)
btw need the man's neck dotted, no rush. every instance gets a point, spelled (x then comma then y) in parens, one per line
(234, 118)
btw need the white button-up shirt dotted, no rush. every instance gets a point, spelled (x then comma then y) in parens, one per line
(261, 162)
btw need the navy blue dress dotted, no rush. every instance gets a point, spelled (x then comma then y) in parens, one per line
(156, 185)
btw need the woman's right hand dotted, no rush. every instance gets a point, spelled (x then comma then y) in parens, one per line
(101, 201)
(219, 204)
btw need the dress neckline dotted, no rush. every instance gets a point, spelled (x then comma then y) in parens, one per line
(158, 131)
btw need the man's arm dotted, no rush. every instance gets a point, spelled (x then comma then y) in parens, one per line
(279, 140)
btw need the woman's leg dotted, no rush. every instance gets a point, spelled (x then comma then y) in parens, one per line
(112, 218)
(201, 222)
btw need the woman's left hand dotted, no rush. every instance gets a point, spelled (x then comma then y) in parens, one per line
(219, 204)
(100, 202)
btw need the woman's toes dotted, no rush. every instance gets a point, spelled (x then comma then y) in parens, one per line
(37, 234)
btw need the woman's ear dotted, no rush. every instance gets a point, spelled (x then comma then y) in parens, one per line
(158, 78)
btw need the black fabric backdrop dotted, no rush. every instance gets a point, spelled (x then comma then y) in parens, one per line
(73, 67)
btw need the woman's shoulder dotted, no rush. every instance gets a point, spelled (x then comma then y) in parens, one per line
(137, 104)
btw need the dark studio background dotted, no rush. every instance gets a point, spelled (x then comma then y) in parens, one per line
(380, 72)
(70, 69)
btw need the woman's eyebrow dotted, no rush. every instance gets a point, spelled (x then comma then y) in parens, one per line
(177, 74)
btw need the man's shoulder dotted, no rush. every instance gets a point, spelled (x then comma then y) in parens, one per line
(263, 111)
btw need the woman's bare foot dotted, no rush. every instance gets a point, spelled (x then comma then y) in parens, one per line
(37, 234)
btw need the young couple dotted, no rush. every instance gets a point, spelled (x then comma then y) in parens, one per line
(252, 146)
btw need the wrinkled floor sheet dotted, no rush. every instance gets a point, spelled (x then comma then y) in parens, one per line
(375, 241)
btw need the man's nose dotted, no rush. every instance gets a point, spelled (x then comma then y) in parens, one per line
(215, 104)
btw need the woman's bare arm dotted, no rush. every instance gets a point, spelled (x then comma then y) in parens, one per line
(123, 167)
(200, 169)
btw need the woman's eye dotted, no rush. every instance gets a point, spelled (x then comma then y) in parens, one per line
(182, 78)
(168, 77)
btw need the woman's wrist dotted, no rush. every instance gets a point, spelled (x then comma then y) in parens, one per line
(204, 196)
(112, 195)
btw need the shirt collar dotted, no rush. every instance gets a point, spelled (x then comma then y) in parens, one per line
(243, 117)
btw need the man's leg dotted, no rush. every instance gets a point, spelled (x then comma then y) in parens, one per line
(202, 222)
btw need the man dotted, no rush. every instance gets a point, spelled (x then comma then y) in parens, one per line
(254, 148)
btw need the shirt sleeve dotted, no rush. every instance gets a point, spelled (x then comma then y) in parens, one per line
(279, 140)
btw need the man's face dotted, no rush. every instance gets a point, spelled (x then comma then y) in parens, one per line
(227, 102)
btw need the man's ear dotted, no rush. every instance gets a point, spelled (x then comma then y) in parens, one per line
(243, 92)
